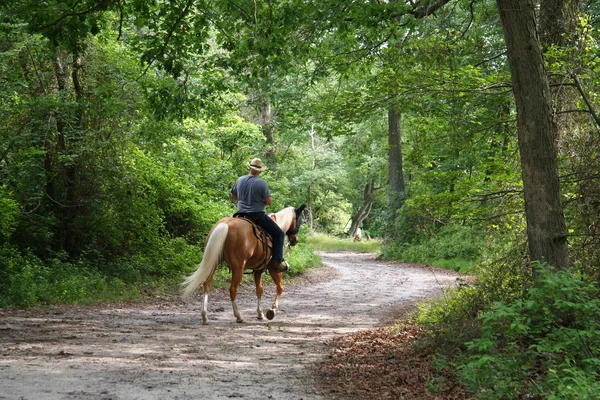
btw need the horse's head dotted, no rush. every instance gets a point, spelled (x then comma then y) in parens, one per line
(292, 232)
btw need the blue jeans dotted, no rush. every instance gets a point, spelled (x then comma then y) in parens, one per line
(265, 222)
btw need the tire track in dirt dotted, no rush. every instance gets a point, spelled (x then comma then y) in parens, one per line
(161, 350)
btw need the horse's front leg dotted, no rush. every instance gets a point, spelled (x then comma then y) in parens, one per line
(259, 293)
(278, 281)
(236, 279)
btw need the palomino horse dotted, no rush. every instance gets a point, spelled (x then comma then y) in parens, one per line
(233, 240)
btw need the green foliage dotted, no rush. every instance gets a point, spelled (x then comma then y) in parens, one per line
(8, 214)
(301, 257)
(99, 190)
(318, 187)
(454, 246)
(28, 281)
(506, 343)
(550, 336)
(451, 319)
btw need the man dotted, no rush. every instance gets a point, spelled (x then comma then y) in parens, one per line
(252, 196)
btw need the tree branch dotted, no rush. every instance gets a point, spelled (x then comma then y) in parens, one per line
(585, 98)
(423, 10)
(120, 19)
(101, 5)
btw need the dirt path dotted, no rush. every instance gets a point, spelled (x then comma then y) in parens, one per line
(161, 350)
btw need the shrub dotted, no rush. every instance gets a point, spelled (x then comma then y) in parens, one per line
(451, 319)
(453, 246)
(26, 280)
(301, 258)
(9, 209)
(545, 343)
(20, 276)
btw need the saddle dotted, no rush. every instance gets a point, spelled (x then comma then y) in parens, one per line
(261, 235)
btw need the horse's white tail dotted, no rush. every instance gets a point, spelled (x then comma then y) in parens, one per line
(213, 255)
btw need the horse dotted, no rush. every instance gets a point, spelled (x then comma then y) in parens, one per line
(233, 240)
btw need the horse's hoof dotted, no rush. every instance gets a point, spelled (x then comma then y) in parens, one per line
(204, 322)
(261, 317)
(240, 321)
(270, 314)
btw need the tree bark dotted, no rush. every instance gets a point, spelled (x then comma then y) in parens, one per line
(546, 227)
(558, 22)
(558, 28)
(395, 169)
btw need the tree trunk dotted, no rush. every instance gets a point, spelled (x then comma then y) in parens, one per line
(57, 179)
(558, 28)
(395, 172)
(558, 22)
(546, 227)
(364, 210)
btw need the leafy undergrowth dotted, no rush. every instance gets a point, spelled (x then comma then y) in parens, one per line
(381, 364)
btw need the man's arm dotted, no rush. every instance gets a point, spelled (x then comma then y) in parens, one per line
(268, 201)
(233, 193)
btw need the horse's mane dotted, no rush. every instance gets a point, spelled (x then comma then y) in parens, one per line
(284, 218)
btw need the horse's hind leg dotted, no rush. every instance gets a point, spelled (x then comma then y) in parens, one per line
(259, 293)
(236, 279)
(206, 289)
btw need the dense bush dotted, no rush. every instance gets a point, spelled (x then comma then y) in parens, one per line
(453, 246)
(301, 257)
(26, 280)
(9, 210)
(545, 343)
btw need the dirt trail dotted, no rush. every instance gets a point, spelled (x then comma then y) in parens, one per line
(161, 350)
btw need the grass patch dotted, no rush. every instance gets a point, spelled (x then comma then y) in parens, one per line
(321, 242)
(456, 264)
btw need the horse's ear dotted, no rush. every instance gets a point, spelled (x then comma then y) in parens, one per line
(300, 209)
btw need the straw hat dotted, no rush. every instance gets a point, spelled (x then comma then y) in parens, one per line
(257, 165)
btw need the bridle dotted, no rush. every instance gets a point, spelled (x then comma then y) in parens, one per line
(298, 223)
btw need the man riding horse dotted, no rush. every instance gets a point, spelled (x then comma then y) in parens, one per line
(235, 242)
(252, 195)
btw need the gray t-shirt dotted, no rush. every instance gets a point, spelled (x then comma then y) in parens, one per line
(251, 192)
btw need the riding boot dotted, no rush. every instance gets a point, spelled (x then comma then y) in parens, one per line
(278, 266)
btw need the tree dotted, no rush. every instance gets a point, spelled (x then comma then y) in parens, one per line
(558, 30)
(363, 212)
(546, 226)
(395, 169)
